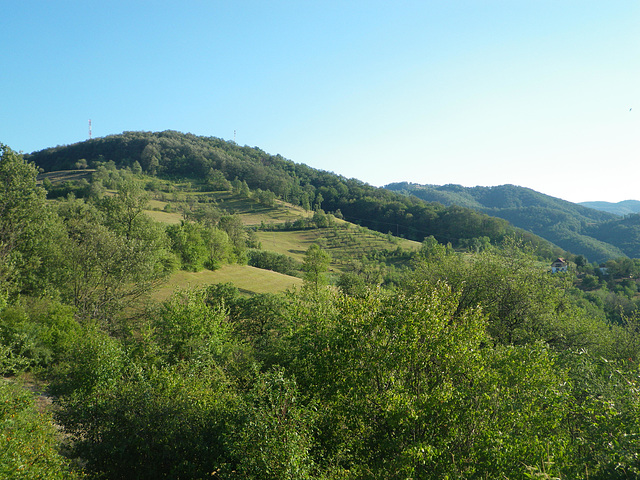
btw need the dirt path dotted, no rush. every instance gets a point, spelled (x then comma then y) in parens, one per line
(37, 387)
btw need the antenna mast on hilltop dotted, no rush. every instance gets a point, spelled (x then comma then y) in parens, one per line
(89, 129)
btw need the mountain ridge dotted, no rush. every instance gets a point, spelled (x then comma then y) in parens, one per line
(449, 213)
(174, 154)
(625, 207)
(580, 229)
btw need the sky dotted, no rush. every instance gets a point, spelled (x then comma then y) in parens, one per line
(541, 94)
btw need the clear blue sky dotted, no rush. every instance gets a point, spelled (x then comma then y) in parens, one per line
(532, 93)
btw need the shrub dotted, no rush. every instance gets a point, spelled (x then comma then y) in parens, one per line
(29, 443)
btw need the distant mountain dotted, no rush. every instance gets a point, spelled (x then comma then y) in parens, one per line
(623, 208)
(594, 233)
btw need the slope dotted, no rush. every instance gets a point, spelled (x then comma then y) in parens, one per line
(625, 207)
(212, 160)
(568, 225)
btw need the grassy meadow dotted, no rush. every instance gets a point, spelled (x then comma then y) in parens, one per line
(247, 279)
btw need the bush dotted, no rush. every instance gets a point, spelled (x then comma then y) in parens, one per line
(158, 424)
(29, 443)
(36, 333)
(274, 261)
(275, 441)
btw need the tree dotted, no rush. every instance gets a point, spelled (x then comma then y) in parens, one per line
(219, 246)
(187, 328)
(316, 263)
(321, 219)
(304, 202)
(265, 197)
(81, 164)
(146, 421)
(581, 261)
(106, 265)
(523, 303)
(273, 261)
(150, 158)
(136, 168)
(124, 210)
(275, 441)
(188, 242)
(35, 332)
(23, 218)
(47, 184)
(232, 224)
(217, 180)
(352, 284)
(410, 387)
(243, 189)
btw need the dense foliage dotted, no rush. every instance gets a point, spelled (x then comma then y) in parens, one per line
(171, 153)
(475, 363)
(29, 440)
(596, 234)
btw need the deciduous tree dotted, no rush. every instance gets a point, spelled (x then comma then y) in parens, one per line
(316, 262)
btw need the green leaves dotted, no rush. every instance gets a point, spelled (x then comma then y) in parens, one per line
(104, 269)
(189, 330)
(275, 440)
(22, 218)
(316, 262)
(28, 439)
(387, 370)
(159, 423)
(35, 333)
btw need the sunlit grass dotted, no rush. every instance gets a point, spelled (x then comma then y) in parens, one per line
(247, 279)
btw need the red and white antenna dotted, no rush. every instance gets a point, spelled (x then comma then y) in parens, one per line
(89, 129)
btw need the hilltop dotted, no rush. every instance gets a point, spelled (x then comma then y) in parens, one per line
(452, 214)
(216, 163)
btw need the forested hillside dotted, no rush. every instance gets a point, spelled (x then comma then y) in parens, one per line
(626, 207)
(468, 363)
(175, 154)
(596, 234)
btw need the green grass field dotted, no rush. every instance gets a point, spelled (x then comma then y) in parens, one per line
(251, 212)
(254, 213)
(247, 279)
(292, 243)
(164, 217)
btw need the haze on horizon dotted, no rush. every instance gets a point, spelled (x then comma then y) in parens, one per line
(545, 95)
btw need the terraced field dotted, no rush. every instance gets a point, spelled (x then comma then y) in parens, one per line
(344, 241)
(66, 176)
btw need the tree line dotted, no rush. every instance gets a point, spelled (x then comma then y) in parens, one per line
(171, 153)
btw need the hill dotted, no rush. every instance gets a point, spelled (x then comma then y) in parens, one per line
(282, 229)
(465, 353)
(625, 207)
(596, 234)
(214, 163)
